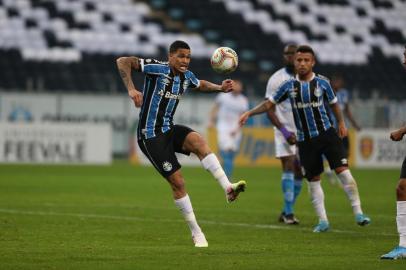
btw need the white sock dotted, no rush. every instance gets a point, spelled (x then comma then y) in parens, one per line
(351, 189)
(401, 222)
(212, 164)
(185, 206)
(317, 196)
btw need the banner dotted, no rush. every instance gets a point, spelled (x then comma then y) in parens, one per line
(374, 149)
(257, 147)
(55, 143)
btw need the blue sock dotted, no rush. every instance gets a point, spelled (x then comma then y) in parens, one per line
(228, 162)
(298, 188)
(288, 187)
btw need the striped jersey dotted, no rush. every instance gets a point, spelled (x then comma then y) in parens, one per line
(308, 104)
(161, 94)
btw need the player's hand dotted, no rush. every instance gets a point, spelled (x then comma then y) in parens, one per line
(243, 118)
(342, 130)
(227, 85)
(292, 139)
(396, 135)
(136, 96)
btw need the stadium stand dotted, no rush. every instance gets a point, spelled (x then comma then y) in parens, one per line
(70, 45)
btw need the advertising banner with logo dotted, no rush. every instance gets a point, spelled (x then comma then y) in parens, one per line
(374, 149)
(257, 147)
(55, 143)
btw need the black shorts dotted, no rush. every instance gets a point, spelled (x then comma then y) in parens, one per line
(403, 170)
(161, 149)
(312, 150)
(346, 144)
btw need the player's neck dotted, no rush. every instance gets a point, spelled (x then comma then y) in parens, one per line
(305, 77)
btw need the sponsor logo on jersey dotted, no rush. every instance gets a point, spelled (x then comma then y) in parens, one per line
(314, 104)
(167, 94)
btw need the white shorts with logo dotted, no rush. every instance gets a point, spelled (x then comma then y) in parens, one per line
(282, 147)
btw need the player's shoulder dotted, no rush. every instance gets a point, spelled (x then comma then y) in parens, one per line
(281, 73)
(189, 74)
(322, 80)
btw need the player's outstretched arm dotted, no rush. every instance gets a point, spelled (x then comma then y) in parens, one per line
(397, 135)
(226, 86)
(125, 65)
(260, 108)
(342, 129)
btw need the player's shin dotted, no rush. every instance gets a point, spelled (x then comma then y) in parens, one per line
(401, 222)
(212, 164)
(185, 206)
(288, 192)
(351, 189)
(317, 197)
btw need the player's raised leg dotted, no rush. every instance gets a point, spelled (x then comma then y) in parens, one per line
(195, 143)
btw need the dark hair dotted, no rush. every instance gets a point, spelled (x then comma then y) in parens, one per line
(178, 44)
(305, 49)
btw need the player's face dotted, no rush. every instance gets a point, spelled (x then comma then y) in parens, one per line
(304, 63)
(179, 60)
(289, 55)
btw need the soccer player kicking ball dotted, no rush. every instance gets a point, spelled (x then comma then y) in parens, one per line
(399, 252)
(315, 134)
(159, 138)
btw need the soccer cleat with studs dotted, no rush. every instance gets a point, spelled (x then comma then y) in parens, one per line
(234, 190)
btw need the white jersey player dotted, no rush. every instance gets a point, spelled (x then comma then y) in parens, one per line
(291, 176)
(225, 113)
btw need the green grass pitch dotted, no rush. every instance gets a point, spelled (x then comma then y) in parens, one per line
(123, 217)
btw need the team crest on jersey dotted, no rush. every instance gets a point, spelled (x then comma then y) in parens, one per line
(318, 92)
(167, 166)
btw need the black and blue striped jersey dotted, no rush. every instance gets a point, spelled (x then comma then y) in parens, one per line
(161, 93)
(308, 104)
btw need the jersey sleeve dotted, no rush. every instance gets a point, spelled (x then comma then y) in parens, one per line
(152, 66)
(281, 93)
(329, 92)
(271, 86)
(193, 81)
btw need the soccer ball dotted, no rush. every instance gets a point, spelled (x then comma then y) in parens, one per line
(224, 60)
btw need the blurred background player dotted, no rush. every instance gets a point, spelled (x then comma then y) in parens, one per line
(282, 116)
(315, 133)
(400, 251)
(224, 115)
(343, 100)
(159, 138)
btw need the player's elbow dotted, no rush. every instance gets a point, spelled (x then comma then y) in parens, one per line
(120, 61)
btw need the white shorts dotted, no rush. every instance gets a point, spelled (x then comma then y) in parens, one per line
(282, 147)
(226, 142)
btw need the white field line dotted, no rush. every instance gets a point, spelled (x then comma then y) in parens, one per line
(208, 222)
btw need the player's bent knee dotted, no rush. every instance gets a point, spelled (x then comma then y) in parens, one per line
(401, 189)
